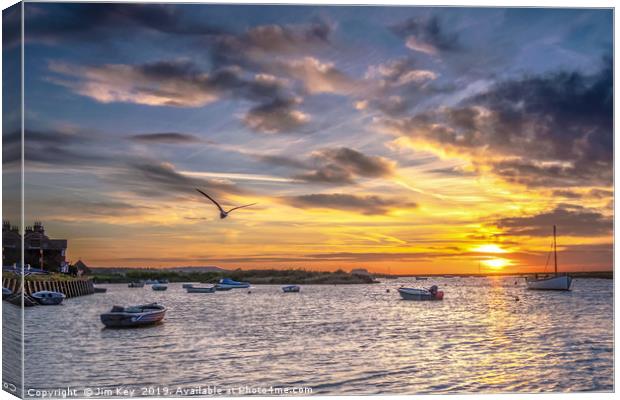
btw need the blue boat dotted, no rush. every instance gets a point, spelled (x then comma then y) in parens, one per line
(227, 283)
(291, 289)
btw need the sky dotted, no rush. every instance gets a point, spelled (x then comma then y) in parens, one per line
(399, 139)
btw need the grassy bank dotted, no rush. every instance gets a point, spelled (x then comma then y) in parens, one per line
(277, 277)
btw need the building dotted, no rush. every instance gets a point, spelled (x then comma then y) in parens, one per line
(39, 250)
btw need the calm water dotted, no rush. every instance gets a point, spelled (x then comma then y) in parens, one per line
(355, 339)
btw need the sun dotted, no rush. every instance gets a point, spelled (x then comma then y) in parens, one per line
(489, 248)
(496, 263)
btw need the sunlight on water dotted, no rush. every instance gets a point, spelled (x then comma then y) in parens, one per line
(355, 339)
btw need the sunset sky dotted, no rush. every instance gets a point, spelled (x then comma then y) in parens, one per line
(402, 140)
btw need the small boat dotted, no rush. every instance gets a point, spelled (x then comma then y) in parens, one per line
(48, 298)
(151, 281)
(554, 282)
(420, 278)
(100, 290)
(421, 294)
(159, 287)
(187, 285)
(229, 283)
(6, 292)
(136, 284)
(163, 281)
(195, 289)
(131, 317)
(291, 289)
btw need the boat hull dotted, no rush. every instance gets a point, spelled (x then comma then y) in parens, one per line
(136, 285)
(419, 294)
(291, 289)
(200, 290)
(100, 290)
(159, 288)
(562, 282)
(226, 286)
(133, 319)
(45, 299)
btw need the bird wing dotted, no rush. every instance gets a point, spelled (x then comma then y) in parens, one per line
(209, 197)
(247, 205)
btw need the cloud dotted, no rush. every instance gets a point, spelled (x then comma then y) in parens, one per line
(549, 130)
(184, 84)
(167, 138)
(426, 35)
(570, 220)
(344, 165)
(317, 76)
(257, 46)
(367, 205)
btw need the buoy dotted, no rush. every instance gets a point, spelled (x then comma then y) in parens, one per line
(387, 290)
(249, 292)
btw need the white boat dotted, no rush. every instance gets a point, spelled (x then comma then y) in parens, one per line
(48, 298)
(291, 289)
(554, 282)
(420, 294)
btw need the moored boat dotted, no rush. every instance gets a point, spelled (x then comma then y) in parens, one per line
(291, 289)
(48, 298)
(100, 290)
(151, 281)
(229, 283)
(555, 282)
(187, 285)
(420, 294)
(196, 289)
(136, 285)
(158, 287)
(420, 278)
(134, 316)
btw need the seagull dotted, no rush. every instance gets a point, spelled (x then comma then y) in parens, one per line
(223, 214)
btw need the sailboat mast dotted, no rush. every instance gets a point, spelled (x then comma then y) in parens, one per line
(555, 252)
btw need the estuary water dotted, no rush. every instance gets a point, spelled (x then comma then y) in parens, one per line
(488, 335)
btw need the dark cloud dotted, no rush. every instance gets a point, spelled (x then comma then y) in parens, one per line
(570, 220)
(549, 130)
(344, 165)
(168, 138)
(427, 35)
(277, 116)
(368, 205)
(50, 23)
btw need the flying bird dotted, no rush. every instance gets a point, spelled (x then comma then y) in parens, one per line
(223, 213)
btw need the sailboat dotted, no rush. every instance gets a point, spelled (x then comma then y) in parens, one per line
(555, 282)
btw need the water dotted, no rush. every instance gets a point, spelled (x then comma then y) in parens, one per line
(355, 339)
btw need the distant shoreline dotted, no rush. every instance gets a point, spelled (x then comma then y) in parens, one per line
(285, 276)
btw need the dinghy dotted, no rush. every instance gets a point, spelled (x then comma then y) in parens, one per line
(555, 282)
(48, 298)
(421, 294)
(136, 285)
(159, 287)
(291, 289)
(135, 316)
(187, 285)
